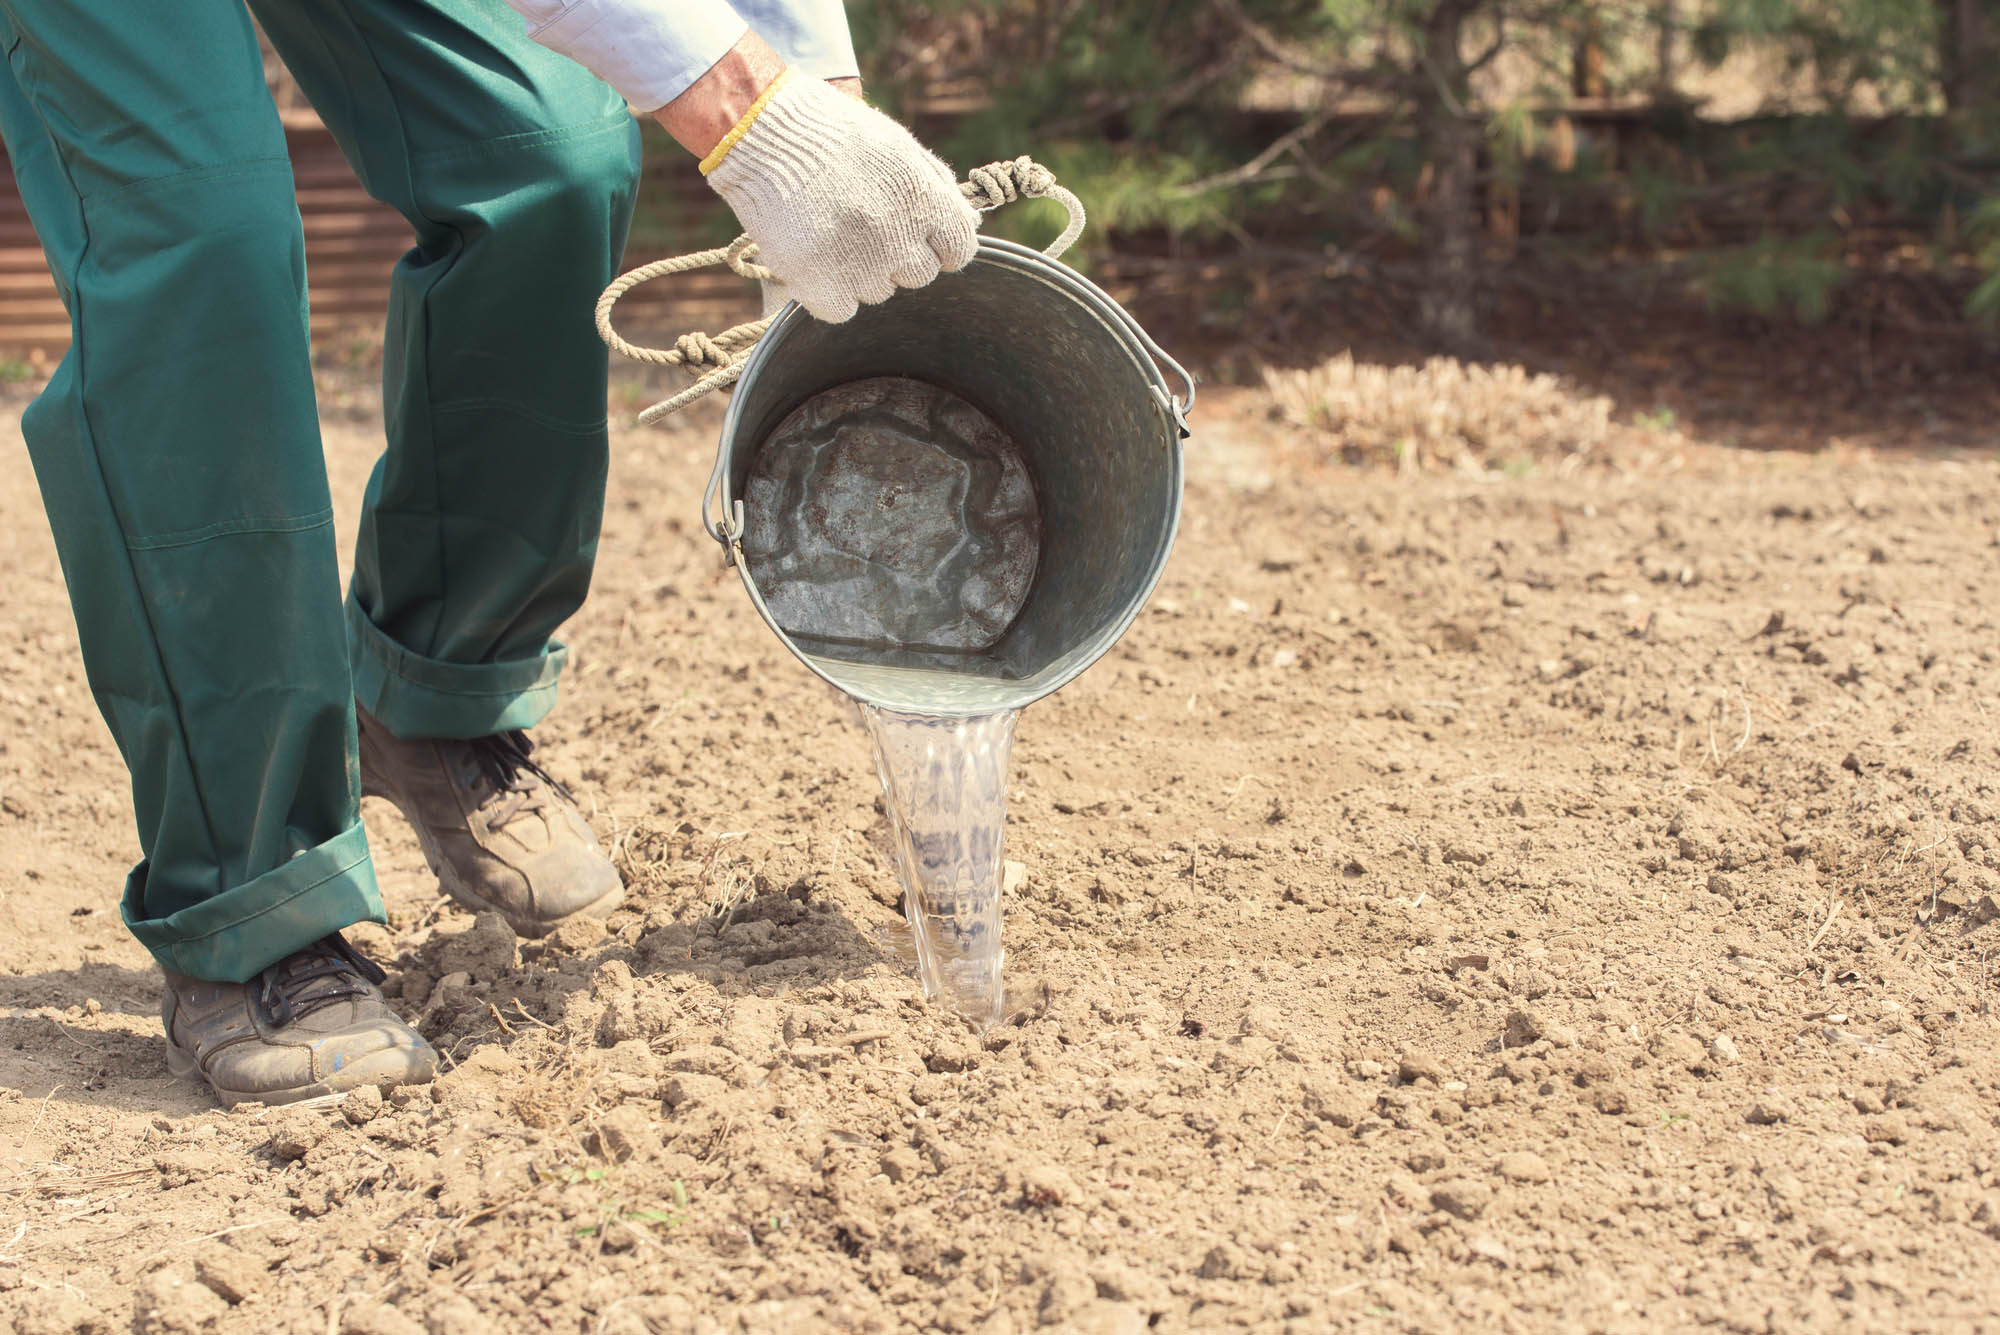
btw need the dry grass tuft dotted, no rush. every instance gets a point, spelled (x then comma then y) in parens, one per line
(553, 1089)
(1443, 412)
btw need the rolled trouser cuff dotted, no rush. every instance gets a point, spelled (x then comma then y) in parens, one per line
(233, 936)
(415, 696)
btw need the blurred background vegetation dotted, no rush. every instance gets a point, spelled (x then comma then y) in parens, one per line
(1765, 156)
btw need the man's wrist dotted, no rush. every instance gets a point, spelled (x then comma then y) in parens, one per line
(700, 117)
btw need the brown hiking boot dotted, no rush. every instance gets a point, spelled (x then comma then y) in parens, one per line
(313, 1023)
(500, 834)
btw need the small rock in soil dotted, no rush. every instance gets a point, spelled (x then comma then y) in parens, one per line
(54, 1312)
(1523, 1166)
(488, 1059)
(1531, 984)
(1225, 1260)
(361, 1106)
(1107, 1318)
(1525, 1027)
(688, 1089)
(1414, 1065)
(1427, 1157)
(634, 1056)
(1888, 1129)
(374, 1318)
(950, 1058)
(294, 1133)
(230, 1275)
(1334, 1103)
(173, 1302)
(1610, 1099)
(1129, 1284)
(625, 1131)
(1677, 1049)
(1722, 1048)
(1462, 1198)
(1066, 1294)
(576, 935)
(486, 950)
(620, 1021)
(1769, 1111)
(449, 1313)
(1045, 1185)
(180, 1167)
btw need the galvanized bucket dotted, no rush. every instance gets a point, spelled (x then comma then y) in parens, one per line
(1079, 386)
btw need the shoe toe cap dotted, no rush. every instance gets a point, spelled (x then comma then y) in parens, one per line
(577, 880)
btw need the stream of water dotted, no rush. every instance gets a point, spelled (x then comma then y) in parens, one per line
(894, 525)
(944, 784)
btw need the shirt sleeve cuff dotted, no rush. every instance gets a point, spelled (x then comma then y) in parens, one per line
(649, 50)
(811, 34)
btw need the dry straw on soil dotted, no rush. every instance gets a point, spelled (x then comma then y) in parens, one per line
(1443, 412)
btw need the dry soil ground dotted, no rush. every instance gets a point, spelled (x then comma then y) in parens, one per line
(1561, 901)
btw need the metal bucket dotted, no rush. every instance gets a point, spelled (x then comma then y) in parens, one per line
(1062, 369)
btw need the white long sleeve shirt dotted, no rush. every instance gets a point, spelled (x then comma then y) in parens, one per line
(651, 50)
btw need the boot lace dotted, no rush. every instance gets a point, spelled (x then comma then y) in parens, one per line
(518, 784)
(326, 971)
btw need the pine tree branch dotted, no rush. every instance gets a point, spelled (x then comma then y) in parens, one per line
(1261, 37)
(1484, 58)
(1250, 170)
(1174, 96)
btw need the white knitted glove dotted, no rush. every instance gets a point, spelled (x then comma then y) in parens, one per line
(844, 204)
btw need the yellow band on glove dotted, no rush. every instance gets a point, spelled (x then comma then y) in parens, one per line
(742, 126)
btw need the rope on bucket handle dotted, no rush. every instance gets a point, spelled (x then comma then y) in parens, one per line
(719, 359)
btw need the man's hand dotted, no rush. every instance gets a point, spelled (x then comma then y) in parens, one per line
(844, 204)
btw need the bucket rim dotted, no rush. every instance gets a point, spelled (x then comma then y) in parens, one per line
(1140, 345)
(1150, 357)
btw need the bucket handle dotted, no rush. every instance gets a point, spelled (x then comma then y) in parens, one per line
(718, 359)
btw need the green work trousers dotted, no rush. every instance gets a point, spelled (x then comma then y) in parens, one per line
(177, 444)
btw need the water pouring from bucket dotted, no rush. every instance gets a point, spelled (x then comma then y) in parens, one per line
(947, 507)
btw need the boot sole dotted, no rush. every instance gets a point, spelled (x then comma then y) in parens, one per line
(386, 1069)
(448, 880)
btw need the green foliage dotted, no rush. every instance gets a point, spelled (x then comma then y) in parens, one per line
(1776, 276)
(1139, 106)
(1511, 135)
(1129, 102)
(1984, 227)
(1661, 198)
(1839, 46)
(1125, 191)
